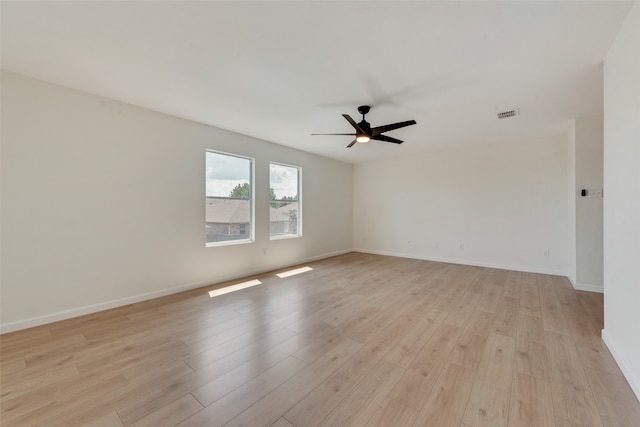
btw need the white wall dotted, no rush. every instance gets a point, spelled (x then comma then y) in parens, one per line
(589, 143)
(103, 204)
(572, 273)
(622, 198)
(585, 164)
(502, 206)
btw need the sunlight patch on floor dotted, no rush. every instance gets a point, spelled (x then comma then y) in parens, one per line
(293, 272)
(233, 288)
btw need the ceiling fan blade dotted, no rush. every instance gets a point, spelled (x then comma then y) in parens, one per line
(387, 139)
(354, 124)
(352, 134)
(386, 128)
(352, 143)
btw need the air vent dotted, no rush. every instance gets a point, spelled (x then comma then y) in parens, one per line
(509, 113)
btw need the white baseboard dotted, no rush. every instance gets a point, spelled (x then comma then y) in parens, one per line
(589, 288)
(466, 262)
(633, 382)
(586, 287)
(94, 308)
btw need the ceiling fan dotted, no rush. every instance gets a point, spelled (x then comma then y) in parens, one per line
(364, 131)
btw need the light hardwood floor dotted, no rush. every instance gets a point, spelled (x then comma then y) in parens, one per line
(361, 340)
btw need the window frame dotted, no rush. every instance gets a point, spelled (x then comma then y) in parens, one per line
(251, 235)
(299, 200)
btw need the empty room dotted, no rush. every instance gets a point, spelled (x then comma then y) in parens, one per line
(320, 213)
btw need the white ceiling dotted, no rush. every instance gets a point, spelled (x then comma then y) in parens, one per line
(280, 71)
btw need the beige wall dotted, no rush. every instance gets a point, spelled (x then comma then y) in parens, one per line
(103, 204)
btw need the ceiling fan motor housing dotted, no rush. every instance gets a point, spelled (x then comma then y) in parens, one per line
(365, 126)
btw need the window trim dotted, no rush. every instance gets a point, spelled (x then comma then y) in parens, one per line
(299, 233)
(252, 204)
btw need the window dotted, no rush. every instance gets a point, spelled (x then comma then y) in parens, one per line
(285, 207)
(228, 199)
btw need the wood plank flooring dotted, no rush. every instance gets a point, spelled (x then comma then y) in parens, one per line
(360, 340)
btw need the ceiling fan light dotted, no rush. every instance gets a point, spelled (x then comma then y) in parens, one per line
(362, 138)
